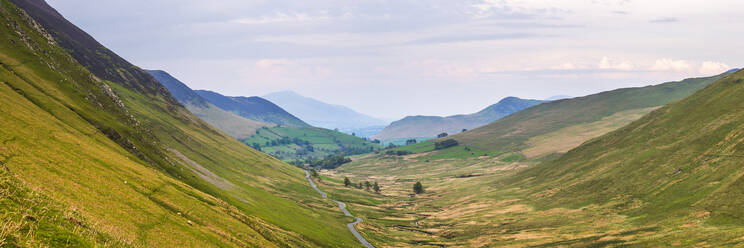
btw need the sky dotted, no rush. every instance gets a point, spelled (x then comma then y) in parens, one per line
(393, 58)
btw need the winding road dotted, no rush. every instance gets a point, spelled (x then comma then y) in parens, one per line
(346, 212)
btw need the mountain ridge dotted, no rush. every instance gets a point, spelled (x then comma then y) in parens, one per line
(254, 108)
(431, 126)
(234, 125)
(321, 114)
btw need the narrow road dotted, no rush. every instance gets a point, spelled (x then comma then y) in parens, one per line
(346, 212)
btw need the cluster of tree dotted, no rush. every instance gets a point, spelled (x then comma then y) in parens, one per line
(411, 141)
(398, 153)
(442, 135)
(330, 162)
(445, 144)
(374, 186)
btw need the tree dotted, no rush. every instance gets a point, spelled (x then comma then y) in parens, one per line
(360, 185)
(347, 182)
(418, 188)
(464, 130)
(411, 142)
(367, 184)
(314, 172)
(442, 135)
(445, 144)
(376, 187)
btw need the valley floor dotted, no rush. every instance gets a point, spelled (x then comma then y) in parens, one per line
(464, 205)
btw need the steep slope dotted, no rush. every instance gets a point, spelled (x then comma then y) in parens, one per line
(558, 126)
(431, 126)
(322, 114)
(113, 151)
(254, 108)
(229, 123)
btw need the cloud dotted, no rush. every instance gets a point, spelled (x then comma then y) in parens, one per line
(607, 64)
(713, 68)
(671, 65)
(467, 38)
(665, 20)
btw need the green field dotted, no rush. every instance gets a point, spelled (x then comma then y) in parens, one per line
(303, 143)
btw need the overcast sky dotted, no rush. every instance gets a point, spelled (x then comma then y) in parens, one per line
(391, 58)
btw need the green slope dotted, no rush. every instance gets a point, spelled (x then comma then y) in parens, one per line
(138, 168)
(514, 132)
(298, 143)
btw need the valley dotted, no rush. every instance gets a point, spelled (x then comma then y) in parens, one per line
(97, 152)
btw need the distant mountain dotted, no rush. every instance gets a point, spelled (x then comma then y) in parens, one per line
(254, 108)
(322, 114)
(229, 123)
(431, 126)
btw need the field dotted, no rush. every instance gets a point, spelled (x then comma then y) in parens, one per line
(301, 143)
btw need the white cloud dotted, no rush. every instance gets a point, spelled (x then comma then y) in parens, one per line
(282, 17)
(712, 68)
(607, 64)
(666, 64)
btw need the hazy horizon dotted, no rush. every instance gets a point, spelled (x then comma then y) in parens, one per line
(390, 59)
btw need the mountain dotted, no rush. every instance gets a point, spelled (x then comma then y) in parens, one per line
(229, 123)
(322, 114)
(254, 108)
(558, 126)
(431, 126)
(95, 152)
(677, 169)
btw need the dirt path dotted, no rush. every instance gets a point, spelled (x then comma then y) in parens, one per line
(346, 212)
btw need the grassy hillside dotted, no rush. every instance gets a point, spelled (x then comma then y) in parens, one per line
(123, 163)
(227, 122)
(680, 159)
(522, 130)
(293, 143)
(431, 126)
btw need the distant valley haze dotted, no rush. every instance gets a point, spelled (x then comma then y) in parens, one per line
(391, 59)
